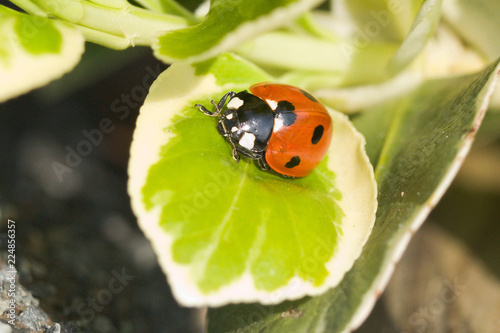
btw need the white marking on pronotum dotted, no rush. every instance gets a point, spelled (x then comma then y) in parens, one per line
(247, 140)
(278, 124)
(272, 104)
(234, 129)
(234, 103)
(229, 116)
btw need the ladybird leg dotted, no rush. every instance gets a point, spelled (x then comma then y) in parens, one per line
(236, 156)
(263, 164)
(222, 101)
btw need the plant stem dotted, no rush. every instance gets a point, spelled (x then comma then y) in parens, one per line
(135, 25)
(111, 3)
(29, 7)
(287, 51)
(71, 11)
(169, 7)
(105, 39)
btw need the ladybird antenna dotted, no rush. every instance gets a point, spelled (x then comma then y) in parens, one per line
(222, 101)
(218, 106)
(203, 109)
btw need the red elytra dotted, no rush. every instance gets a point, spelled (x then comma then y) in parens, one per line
(296, 149)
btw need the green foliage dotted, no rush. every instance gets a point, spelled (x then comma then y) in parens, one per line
(28, 43)
(423, 28)
(418, 143)
(238, 17)
(241, 233)
(475, 22)
(227, 232)
(226, 216)
(44, 39)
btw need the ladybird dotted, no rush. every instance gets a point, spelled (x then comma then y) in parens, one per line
(283, 127)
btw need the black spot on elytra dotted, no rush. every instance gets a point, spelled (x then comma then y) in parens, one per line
(294, 161)
(288, 118)
(284, 106)
(318, 134)
(308, 95)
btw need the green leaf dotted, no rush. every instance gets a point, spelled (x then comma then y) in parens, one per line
(343, 62)
(357, 98)
(228, 232)
(228, 23)
(34, 51)
(119, 4)
(168, 7)
(112, 23)
(476, 21)
(369, 66)
(285, 50)
(364, 57)
(380, 19)
(421, 31)
(418, 143)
